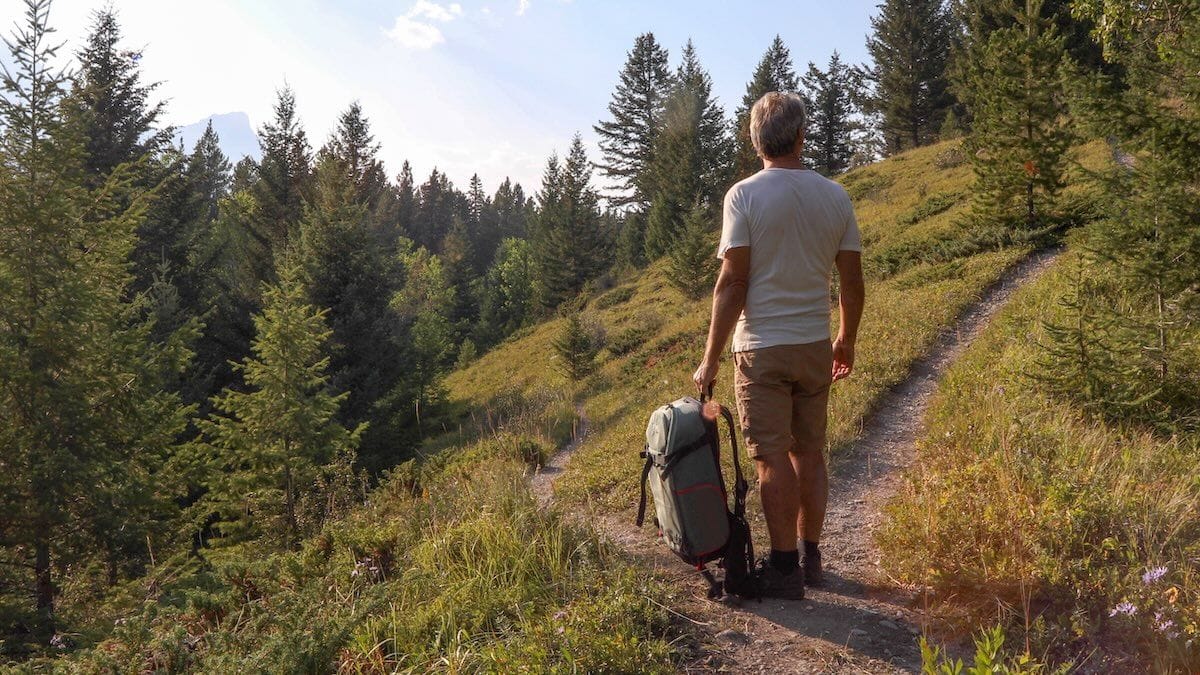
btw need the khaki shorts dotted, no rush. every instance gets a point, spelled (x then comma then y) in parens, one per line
(783, 396)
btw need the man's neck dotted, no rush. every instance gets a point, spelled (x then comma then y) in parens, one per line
(783, 163)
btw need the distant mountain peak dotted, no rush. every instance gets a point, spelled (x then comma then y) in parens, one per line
(233, 129)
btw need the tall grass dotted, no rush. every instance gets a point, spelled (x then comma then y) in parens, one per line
(453, 568)
(1085, 536)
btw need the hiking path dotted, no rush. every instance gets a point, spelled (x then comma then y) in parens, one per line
(858, 620)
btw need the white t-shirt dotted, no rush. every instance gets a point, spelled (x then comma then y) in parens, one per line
(795, 222)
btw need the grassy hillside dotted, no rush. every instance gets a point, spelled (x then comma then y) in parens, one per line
(1086, 532)
(924, 265)
(451, 568)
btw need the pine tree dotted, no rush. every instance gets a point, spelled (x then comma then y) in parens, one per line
(422, 304)
(284, 173)
(483, 222)
(1147, 247)
(232, 262)
(111, 108)
(405, 212)
(111, 104)
(209, 174)
(508, 300)
(637, 108)
(830, 127)
(631, 240)
(1021, 133)
(85, 419)
(245, 175)
(569, 244)
(976, 19)
(773, 73)
(910, 48)
(867, 141)
(175, 242)
(206, 181)
(511, 210)
(576, 349)
(437, 203)
(1088, 357)
(347, 273)
(1150, 245)
(458, 256)
(693, 262)
(354, 146)
(692, 158)
(268, 443)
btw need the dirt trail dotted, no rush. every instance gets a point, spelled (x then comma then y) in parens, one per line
(542, 482)
(857, 621)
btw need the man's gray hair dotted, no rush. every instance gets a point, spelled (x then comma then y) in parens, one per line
(775, 121)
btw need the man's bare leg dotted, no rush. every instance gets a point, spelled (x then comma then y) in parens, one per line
(780, 493)
(813, 483)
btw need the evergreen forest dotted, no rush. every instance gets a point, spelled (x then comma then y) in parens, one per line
(281, 414)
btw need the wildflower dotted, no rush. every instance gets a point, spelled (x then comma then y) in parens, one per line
(1126, 608)
(1153, 575)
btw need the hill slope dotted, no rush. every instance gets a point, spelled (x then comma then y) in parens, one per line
(450, 564)
(924, 264)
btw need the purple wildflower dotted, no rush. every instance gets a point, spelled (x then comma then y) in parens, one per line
(1126, 608)
(1153, 575)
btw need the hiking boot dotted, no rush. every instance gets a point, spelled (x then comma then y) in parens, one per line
(775, 584)
(813, 576)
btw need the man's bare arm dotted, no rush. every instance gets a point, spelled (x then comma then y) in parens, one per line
(852, 296)
(729, 299)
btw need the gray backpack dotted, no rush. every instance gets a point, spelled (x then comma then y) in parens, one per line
(683, 471)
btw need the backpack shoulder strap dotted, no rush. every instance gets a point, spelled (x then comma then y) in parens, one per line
(740, 486)
(641, 516)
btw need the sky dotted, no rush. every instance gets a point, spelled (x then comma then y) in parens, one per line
(471, 86)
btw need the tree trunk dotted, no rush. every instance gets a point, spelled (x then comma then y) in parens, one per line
(1030, 211)
(291, 508)
(1162, 333)
(43, 586)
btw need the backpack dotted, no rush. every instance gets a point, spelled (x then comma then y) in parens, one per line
(683, 470)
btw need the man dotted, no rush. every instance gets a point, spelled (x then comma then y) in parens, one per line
(784, 230)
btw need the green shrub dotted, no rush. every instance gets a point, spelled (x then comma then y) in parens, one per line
(939, 203)
(614, 297)
(634, 337)
(989, 659)
(865, 184)
(577, 346)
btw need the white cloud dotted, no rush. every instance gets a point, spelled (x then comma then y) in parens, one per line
(522, 7)
(414, 34)
(424, 9)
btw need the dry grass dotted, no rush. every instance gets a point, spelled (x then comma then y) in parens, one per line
(1021, 502)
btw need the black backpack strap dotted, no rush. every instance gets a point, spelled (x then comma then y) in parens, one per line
(740, 486)
(641, 516)
(739, 558)
(714, 586)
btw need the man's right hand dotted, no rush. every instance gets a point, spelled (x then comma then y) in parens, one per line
(843, 359)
